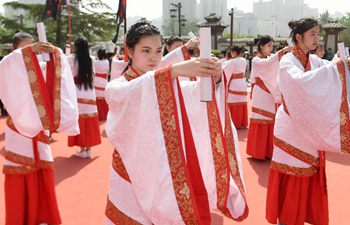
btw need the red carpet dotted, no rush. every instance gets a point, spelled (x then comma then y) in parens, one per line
(81, 184)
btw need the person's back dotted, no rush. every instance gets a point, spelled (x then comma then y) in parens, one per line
(46, 97)
(101, 68)
(82, 69)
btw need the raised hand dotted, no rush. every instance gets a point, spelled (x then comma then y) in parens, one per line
(194, 67)
(43, 47)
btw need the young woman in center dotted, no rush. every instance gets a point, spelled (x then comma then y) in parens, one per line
(156, 125)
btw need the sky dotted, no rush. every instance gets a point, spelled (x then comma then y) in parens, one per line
(153, 8)
(143, 8)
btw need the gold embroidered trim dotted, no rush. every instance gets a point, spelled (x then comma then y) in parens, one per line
(119, 167)
(117, 216)
(237, 92)
(34, 86)
(297, 153)
(41, 136)
(185, 52)
(18, 169)
(89, 115)
(100, 98)
(173, 144)
(57, 90)
(237, 76)
(344, 111)
(264, 113)
(224, 155)
(86, 101)
(99, 88)
(131, 74)
(260, 83)
(300, 55)
(295, 171)
(262, 121)
(26, 161)
(236, 103)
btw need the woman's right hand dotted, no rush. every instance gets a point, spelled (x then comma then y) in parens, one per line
(193, 68)
(43, 47)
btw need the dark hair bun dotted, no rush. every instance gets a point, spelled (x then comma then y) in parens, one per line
(292, 24)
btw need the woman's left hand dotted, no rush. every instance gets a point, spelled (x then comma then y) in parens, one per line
(218, 69)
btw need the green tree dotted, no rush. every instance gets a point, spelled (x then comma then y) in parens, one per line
(93, 20)
(345, 34)
(324, 17)
(171, 28)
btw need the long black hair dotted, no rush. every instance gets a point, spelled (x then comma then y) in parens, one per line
(136, 32)
(82, 57)
(301, 26)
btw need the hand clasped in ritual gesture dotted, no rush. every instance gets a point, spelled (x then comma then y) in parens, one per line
(43, 47)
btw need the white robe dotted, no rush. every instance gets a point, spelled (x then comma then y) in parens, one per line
(136, 139)
(16, 94)
(314, 102)
(238, 85)
(266, 69)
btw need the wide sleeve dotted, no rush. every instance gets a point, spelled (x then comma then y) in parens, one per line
(117, 67)
(16, 94)
(317, 102)
(134, 127)
(69, 106)
(178, 55)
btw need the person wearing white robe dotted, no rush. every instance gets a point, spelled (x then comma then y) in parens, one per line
(33, 114)
(237, 87)
(313, 118)
(149, 177)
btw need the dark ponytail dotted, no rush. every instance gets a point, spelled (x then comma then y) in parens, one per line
(82, 57)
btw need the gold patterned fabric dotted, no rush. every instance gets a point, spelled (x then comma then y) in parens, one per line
(117, 216)
(88, 115)
(131, 74)
(185, 52)
(264, 113)
(224, 156)
(29, 164)
(237, 92)
(170, 126)
(297, 153)
(237, 76)
(344, 111)
(34, 74)
(86, 101)
(119, 167)
(295, 171)
(260, 83)
(302, 57)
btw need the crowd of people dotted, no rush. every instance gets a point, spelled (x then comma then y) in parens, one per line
(176, 157)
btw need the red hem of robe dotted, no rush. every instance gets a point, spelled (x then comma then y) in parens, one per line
(31, 198)
(89, 133)
(295, 200)
(102, 108)
(260, 141)
(239, 115)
